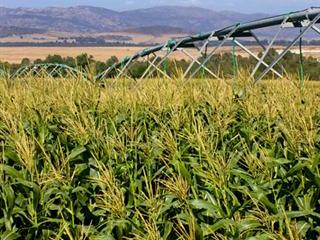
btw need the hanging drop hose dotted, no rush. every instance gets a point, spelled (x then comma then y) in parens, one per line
(234, 60)
(166, 66)
(166, 63)
(301, 70)
(169, 45)
(204, 56)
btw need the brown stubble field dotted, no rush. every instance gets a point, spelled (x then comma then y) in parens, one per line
(16, 54)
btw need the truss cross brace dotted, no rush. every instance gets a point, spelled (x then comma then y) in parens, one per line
(287, 49)
(207, 59)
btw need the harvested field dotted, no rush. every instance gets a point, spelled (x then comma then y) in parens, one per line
(16, 54)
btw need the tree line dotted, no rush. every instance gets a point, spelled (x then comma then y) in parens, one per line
(224, 65)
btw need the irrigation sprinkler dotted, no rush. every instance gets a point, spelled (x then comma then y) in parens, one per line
(306, 20)
(47, 69)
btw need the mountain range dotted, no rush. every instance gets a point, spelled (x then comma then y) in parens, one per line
(95, 19)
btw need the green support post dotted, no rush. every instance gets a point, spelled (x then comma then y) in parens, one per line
(301, 67)
(234, 60)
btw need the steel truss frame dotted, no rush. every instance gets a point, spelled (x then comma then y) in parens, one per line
(305, 27)
(3, 73)
(305, 20)
(155, 56)
(47, 69)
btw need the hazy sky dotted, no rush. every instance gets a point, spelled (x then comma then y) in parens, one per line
(272, 6)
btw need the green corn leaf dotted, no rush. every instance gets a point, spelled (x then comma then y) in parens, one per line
(10, 235)
(315, 179)
(204, 205)
(260, 237)
(167, 230)
(35, 190)
(181, 168)
(248, 225)
(76, 152)
(11, 171)
(8, 195)
(298, 167)
(221, 224)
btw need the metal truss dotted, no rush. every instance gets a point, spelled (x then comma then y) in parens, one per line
(304, 25)
(305, 20)
(47, 69)
(157, 56)
(3, 73)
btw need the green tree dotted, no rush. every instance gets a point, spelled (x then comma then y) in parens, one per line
(112, 60)
(25, 62)
(54, 59)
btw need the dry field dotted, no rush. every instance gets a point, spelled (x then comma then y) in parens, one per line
(55, 36)
(16, 54)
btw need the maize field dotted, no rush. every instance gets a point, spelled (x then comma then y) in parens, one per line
(159, 159)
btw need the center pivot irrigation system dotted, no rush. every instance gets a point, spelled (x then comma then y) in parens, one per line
(156, 56)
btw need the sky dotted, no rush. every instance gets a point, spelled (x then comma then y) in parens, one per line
(246, 6)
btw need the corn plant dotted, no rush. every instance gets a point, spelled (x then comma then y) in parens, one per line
(159, 159)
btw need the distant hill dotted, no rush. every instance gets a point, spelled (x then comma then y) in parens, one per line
(7, 31)
(94, 19)
(191, 19)
(156, 31)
